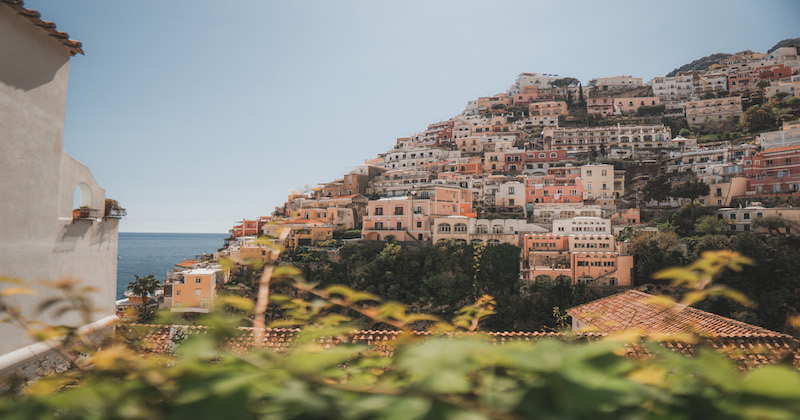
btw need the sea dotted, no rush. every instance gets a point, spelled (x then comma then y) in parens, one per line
(156, 253)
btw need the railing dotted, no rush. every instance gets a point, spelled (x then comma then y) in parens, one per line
(116, 213)
(85, 214)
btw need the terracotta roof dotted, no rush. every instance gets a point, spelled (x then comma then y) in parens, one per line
(637, 310)
(780, 149)
(748, 351)
(187, 263)
(34, 17)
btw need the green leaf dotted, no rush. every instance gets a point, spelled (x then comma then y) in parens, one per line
(773, 381)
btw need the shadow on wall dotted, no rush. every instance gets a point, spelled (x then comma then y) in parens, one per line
(105, 232)
(71, 234)
(26, 58)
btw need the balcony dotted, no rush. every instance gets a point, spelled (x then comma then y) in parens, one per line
(85, 213)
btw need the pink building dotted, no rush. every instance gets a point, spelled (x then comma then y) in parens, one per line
(529, 94)
(519, 160)
(774, 170)
(409, 218)
(560, 185)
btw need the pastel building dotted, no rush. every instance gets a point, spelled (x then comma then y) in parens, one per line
(560, 185)
(469, 230)
(577, 139)
(710, 110)
(673, 88)
(582, 226)
(195, 292)
(631, 105)
(774, 170)
(548, 212)
(409, 218)
(602, 183)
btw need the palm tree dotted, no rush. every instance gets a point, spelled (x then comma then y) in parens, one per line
(144, 286)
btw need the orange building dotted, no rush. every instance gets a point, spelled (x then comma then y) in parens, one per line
(196, 290)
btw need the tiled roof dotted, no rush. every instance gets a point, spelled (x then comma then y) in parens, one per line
(187, 263)
(637, 310)
(34, 17)
(747, 351)
(780, 149)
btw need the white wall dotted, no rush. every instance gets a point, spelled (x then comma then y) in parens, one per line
(38, 239)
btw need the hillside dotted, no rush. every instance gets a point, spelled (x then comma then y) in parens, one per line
(785, 43)
(700, 63)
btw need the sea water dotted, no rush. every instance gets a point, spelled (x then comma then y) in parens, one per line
(156, 253)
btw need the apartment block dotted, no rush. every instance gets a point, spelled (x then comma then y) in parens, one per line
(709, 110)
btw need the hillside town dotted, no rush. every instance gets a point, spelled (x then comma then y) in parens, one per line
(560, 170)
(547, 252)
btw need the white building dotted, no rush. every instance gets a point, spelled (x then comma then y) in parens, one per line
(538, 80)
(468, 230)
(582, 226)
(780, 138)
(672, 88)
(618, 83)
(41, 237)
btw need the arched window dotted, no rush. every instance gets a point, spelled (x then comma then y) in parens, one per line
(81, 196)
(444, 227)
(497, 229)
(460, 227)
(492, 242)
(482, 229)
(461, 241)
(476, 242)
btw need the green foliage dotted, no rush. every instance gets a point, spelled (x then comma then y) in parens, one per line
(658, 189)
(432, 377)
(144, 287)
(442, 278)
(700, 63)
(646, 110)
(709, 225)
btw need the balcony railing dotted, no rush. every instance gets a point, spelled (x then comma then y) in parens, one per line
(116, 213)
(85, 214)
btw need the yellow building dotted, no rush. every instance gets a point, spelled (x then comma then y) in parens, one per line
(196, 290)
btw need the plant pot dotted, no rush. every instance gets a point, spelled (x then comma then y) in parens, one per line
(76, 214)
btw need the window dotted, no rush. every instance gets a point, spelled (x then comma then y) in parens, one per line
(197, 292)
(460, 227)
(399, 225)
(482, 229)
(198, 280)
(511, 190)
(379, 211)
(444, 227)
(398, 210)
(419, 224)
(178, 293)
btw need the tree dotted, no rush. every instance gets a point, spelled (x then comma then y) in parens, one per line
(564, 84)
(145, 287)
(691, 190)
(782, 95)
(709, 225)
(658, 189)
(773, 224)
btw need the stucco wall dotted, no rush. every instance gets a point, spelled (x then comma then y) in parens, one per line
(38, 238)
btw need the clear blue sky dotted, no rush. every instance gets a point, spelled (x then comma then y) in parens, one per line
(195, 114)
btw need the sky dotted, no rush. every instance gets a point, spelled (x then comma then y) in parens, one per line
(195, 114)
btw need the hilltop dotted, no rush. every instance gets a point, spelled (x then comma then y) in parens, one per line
(700, 63)
(703, 63)
(785, 43)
